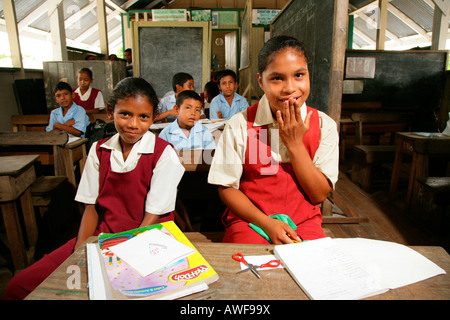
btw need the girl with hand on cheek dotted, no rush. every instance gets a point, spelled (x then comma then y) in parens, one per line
(277, 158)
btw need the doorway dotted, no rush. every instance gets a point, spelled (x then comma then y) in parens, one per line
(224, 50)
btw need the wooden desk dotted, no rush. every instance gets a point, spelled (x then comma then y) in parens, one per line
(53, 148)
(16, 176)
(274, 284)
(38, 122)
(421, 149)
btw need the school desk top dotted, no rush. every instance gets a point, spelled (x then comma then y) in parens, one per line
(275, 284)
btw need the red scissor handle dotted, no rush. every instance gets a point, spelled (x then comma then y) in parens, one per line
(271, 264)
(239, 257)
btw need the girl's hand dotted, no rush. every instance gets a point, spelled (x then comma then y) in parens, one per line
(291, 126)
(279, 232)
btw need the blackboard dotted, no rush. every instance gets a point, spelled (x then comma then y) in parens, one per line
(31, 96)
(406, 80)
(311, 22)
(164, 50)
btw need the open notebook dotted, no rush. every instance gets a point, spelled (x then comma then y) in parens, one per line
(355, 268)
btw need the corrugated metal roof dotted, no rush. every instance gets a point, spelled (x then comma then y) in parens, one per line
(419, 11)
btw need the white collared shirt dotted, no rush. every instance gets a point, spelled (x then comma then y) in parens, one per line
(99, 102)
(199, 137)
(165, 178)
(226, 168)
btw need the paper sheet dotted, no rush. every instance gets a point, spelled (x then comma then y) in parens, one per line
(150, 251)
(353, 268)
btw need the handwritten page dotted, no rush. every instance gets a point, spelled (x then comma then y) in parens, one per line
(151, 251)
(395, 265)
(326, 272)
(330, 269)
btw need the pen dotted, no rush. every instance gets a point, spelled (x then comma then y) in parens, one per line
(295, 240)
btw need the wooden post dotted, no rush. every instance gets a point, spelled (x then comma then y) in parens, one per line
(57, 30)
(102, 27)
(382, 23)
(13, 34)
(440, 24)
(339, 44)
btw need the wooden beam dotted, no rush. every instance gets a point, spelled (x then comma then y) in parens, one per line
(440, 26)
(57, 30)
(13, 34)
(102, 27)
(382, 23)
(443, 5)
(409, 22)
(33, 16)
(339, 45)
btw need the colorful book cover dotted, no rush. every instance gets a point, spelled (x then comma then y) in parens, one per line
(182, 274)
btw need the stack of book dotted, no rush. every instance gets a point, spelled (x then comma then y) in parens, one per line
(154, 262)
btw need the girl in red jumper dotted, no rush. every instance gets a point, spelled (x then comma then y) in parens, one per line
(278, 157)
(91, 99)
(130, 180)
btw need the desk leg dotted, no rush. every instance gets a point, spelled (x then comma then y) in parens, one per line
(412, 175)
(29, 217)
(64, 164)
(396, 172)
(14, 234)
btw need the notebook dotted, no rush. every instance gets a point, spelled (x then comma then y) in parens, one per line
(355, 268)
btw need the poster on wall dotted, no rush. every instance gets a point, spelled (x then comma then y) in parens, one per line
(200, 15)
(360, 67)
(263, 16)
(169, 15)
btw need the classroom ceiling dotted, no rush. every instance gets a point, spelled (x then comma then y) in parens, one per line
(409, 21)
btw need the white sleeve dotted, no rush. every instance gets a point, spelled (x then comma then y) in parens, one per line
(89, 184)
(165, 178)
(99, 101)
(226, 168)
(326, 158)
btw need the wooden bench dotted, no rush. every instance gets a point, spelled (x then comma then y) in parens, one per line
(430, 205)
(376, 124)
(53, 149)
(368, 156)
(43, 189)
(365, 159)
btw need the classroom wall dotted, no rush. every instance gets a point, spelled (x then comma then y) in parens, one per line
(8, 103)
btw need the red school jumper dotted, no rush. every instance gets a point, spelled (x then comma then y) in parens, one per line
(121, 200)
(89, 103)
(273, 186)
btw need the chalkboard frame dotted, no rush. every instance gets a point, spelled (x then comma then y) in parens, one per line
(206, 44)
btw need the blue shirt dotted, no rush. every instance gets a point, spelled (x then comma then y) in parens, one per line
(75, 112)
(199, 137)
(219, 103)
(166, 104)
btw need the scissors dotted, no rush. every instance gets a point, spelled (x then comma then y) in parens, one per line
(271, 264)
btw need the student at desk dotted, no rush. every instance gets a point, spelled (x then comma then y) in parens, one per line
(69, 117)
(186, 132)
(278, 156)
(228, 102)
(130, 180)
(91, 99)
(180, 82)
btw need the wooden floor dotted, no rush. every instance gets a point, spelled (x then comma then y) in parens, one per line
(386, 220)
